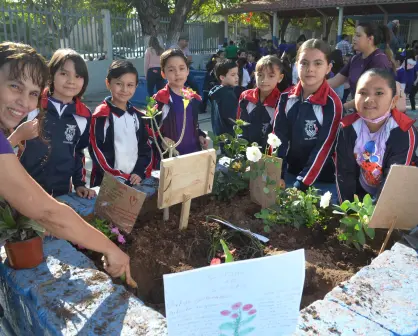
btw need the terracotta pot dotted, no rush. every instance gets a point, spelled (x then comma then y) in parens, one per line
(25, 254)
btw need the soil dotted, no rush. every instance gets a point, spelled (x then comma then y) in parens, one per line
(157, 248)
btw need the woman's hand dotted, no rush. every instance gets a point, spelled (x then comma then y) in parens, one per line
(116, 263)
(203, 142)
(27, 131)
(84, 192)
(135, 179)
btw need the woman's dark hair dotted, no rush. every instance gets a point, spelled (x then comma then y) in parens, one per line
(57, 62)
(301, 38)
(268, 62)
(166, 55)
(315, 44)
(337, 61)
(119, 68)
(381, 36)
(24, 62)
(385, 74)
(241, 62)
(155, 44)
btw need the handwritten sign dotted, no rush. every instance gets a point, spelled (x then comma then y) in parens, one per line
(119, 203)
(252, 297)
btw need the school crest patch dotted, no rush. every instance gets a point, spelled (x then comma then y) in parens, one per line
(70, 133)
(311, 129)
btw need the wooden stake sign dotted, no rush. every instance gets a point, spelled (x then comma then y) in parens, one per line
(257, 186)
(185, 177)
(397, 207)
(119, 203)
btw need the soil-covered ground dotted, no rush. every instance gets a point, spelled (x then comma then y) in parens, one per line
(157, 247)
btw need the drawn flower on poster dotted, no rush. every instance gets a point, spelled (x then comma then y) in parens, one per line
(242, 316)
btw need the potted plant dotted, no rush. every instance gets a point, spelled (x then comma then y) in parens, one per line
(23, 237)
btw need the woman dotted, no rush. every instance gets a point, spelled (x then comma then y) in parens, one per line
(366, 42)
(152, 67)
(23, 76)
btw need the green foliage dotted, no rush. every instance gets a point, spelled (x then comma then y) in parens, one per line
(354, 224)
(228, 255)
(103, 226)
(294, 207)
(16, 227)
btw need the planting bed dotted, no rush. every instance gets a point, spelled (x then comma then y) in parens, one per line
(158, 247)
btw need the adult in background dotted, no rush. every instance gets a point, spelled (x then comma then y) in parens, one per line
(152, 67)
(366, 42)
(393, 27)
(23, 77)
(344, 45)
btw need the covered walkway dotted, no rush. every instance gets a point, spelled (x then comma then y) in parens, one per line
(323, 8)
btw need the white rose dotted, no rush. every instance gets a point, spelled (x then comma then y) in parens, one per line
(325, 200)
(273, 141)
(254, 154)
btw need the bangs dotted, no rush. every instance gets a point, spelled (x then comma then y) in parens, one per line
(266, 66)
(32, 68)
(79, 65)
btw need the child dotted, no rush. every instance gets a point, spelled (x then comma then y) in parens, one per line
(118, 136)
(175, 69)
(56, 159)
(250, 66)
(307, 121)
(257, 106)
(243, 77)
(374, 138)
(223, 98)
(406, 75)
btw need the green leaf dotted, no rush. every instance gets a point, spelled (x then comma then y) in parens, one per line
(345, 206)
(228, 255)
(266, 190)
(248, 320)
(356, 199)
(351, 221)
(361, 237)
(367, 201)
(8, 217)
(246, 331)
(227, 326)
(370, 232)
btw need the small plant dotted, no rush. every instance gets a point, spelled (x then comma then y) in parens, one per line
(15, 227)
(354, 226)
(296, 208)
(227, 254)
(110, 231)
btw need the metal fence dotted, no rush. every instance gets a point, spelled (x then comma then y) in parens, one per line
(84, 31)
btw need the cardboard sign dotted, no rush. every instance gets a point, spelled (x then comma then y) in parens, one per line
(119, 203)
(250, 297)
(273, 171)
(398, 202)
(186, 176)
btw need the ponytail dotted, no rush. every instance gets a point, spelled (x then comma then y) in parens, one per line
(391, 57)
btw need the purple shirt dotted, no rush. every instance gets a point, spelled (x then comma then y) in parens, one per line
(189, 143)
(358, 65)
(5, 147)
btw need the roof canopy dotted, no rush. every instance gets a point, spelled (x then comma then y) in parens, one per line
(314, 8)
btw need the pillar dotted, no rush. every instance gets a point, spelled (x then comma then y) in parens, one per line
(324, 26)
(274, 33)
(340, 23)
(226, 29)
(107, 31)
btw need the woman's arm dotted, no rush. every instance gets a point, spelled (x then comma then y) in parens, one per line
(349, 105)
(337, 80)
(28, 198)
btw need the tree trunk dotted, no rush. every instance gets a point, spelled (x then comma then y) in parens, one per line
(283, 27)
(330, 20)
(177, 20)
(149, 16)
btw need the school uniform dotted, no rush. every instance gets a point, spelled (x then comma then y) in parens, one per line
(363, 159)
(224, 105)
(57, 162)
(171, 120)
(259, 114)
(307, 129)
(119, 143)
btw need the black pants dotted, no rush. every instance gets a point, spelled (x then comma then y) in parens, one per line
(412, 94)
(346, 93)
(154, 79)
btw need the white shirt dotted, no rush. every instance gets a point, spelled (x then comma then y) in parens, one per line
(246, 79)
(125, 141)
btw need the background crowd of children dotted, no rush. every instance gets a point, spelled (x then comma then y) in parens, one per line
(290, 97)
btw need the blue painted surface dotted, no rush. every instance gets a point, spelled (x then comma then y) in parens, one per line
(67, 295)
(381, 299)
(140, 97)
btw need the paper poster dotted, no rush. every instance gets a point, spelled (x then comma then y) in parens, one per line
(119, 203)
(257, 297)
